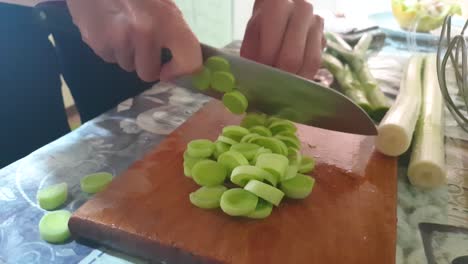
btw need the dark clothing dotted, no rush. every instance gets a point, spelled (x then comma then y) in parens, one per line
(31, 111)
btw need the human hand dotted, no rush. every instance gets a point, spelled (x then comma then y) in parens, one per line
(285, 34)
(132, 34)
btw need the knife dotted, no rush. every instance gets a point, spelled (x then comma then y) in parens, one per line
(268, 90)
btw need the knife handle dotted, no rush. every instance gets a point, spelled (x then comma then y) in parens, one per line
(54, 16)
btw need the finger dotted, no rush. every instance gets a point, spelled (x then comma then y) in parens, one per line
(312, 58)
(123, 48)
(324, 42)
(185, 49)
(291, 55)
(147, 52)
(105, 52)
(273, 22)
(257, 4)
(250, 44)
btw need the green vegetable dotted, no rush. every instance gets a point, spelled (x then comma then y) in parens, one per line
(274, 163)
(188, 165)
(260, 151)
(253, 119)
(289, 134)
(235, 102)
(351, 87)
(395, 131)
(289, 141)
(295, 157)
(220, 148)
(52, 196)
(292, 151)
(241, 175)
(360, 75)
(291, 172)
(423, 16)
(261, 130)
(200, 148)
(231, 159)
(223, 81)
(247, 138)
(53, 227)
(278, 126)
(307, 165)
(207, 197)
(265, 191)
(235, 132)
(95, 182)
(427, 164)
(274, 144)
(238, 202)
(202, 79)
(227, 140)
(247, 149)
(209, 173)
(217, 63)
(263, 210)
(298, 187)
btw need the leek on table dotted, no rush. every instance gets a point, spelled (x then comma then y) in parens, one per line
(357, 61)
(349, 85)
(396, 129)
(427, 164)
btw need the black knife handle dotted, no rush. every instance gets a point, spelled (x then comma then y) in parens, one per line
(55, 17)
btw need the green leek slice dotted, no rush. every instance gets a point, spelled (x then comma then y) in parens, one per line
(260, 151)
(53, 226)
(238, 202)
(278, 126)
(290, 173)
(220, 148)
(298, 187)
(241, 175)
(246, 138)
(247, 149)
(200, 148)
(235, 102)
(227, 140)
(307, 165)
(289, 141)
(235, 132)
(95, 182)
(223, 81)
(202, 79)
(263, 210)
(231, 159)
(274, 144)
(274, 163)
(261, 130)
(52, 196)
(217, 63)
(188, 165)
(209, 173)
(207, 197)
(267, 192)
(253, 119)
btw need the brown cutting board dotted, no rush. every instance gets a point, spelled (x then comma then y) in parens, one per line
(350, 217)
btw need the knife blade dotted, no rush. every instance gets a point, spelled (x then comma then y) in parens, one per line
(275, 92)
(268, 90)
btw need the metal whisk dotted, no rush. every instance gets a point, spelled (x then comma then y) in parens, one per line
(455, 53)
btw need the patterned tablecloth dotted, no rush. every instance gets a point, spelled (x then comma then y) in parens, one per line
(114, 140)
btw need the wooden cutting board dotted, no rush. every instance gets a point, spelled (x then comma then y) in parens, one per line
(350, 217)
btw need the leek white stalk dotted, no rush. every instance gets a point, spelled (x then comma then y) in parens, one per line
(427, 164)
(396, 128)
